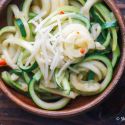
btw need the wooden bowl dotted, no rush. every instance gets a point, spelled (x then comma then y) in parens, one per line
(81, 104)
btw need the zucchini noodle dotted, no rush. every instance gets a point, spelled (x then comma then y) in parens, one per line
(59, 49)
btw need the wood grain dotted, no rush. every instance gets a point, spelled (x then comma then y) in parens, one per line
(11, 114)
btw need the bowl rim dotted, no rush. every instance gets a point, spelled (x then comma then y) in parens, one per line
(60, 114)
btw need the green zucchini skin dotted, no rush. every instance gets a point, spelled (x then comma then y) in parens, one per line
(68, 9)
(41, 89)
(76, 16)
(107, 21)
(26, 77)
(116, 56)
(109, 66)
(26, 68)
(29, 68)
(83, 19)
(16, 85)
(46, 105)
(49, 98)
(32, 15)
(109, 24)
(4, 76)
(98, 87)
(91, 75)
(16, 71)
(7, 29)
(19, 24)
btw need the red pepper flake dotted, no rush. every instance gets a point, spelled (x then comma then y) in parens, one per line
(62, 12)
(78, 33)
(82, 50)
(2, 62)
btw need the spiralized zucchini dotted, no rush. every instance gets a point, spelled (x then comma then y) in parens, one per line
(59, 49)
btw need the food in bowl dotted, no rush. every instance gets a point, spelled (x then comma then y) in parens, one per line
(58, 50)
